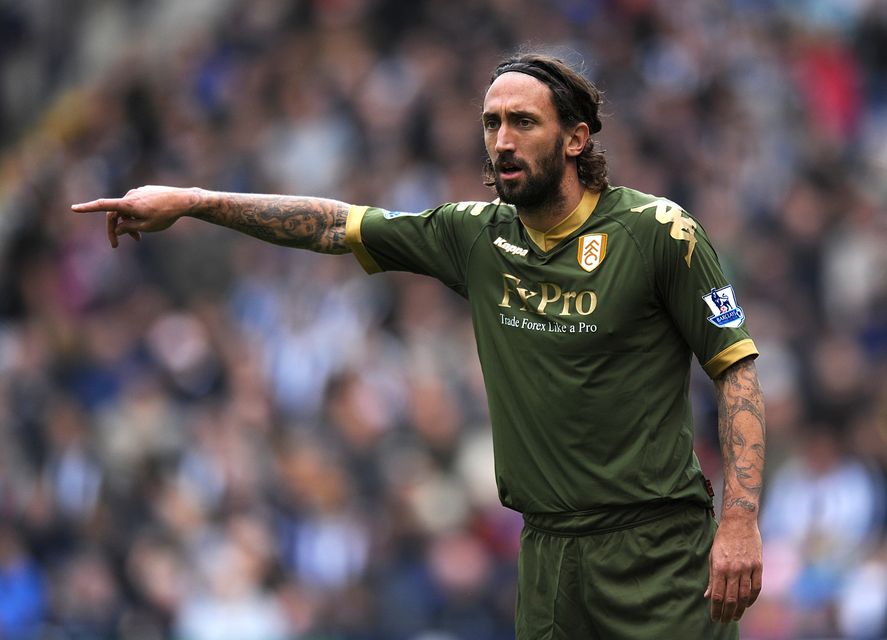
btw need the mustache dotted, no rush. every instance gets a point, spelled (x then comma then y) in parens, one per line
(508, 159)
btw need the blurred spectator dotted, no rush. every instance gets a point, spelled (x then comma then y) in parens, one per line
(23, 604)
(862, 600)
(230, 601)
(823, 517)
(86, 601)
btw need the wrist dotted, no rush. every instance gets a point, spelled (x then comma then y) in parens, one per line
(196, 202)
(739, 510)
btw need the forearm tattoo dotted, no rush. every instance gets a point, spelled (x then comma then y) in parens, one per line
(317, 224)
(742, 432)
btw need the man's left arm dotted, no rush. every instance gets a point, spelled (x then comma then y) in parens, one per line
(736, 555)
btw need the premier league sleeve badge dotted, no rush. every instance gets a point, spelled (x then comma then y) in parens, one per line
(726, 313)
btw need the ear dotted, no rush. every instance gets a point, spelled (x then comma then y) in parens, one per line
(576, 139)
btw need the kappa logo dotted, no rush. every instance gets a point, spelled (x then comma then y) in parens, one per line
(726, 313)
(679, 226)
(507, 247)
(592, 249)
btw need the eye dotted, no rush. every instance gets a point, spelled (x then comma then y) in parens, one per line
(525, 123)
(491, 124)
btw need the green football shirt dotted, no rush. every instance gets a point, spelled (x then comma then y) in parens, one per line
(585, 334)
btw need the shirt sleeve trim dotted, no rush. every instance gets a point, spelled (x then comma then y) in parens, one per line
(729, 356)
(355, 242)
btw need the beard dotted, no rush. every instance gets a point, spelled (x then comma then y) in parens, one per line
(540, 187)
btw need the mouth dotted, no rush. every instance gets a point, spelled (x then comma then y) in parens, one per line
(509, 169)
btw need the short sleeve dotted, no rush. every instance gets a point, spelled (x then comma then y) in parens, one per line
(434, 242)
(701, 302)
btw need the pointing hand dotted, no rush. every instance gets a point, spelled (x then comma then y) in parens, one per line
(146, 209)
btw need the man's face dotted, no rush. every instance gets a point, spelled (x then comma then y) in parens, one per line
(524, 140)
(748, 458)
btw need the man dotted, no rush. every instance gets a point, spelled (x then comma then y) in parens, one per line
(587, 302)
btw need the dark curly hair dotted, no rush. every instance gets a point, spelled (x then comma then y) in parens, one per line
(576, 100)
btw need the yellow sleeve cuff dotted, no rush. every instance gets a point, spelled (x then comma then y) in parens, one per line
(355, 242)
(729, 356)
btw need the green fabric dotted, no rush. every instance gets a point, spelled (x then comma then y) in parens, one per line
(640, 583)
(586, 371)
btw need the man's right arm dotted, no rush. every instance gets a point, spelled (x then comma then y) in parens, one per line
(317, 224)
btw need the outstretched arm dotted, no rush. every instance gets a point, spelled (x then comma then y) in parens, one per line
(317, 224)
(736, 555)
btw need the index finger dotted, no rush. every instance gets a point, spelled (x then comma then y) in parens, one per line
(102, 204)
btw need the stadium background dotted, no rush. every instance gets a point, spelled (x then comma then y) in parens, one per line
(207, 437)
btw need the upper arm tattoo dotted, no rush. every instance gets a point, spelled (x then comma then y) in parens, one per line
(317, 224)
(742, 433)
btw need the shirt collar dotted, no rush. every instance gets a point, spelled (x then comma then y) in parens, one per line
(547, 240)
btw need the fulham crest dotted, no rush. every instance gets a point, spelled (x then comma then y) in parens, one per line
(592, 249)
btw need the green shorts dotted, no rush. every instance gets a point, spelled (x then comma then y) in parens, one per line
(591, 577)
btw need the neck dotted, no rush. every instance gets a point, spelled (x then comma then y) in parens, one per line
(555, 209)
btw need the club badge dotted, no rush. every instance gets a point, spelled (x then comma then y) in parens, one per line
(592, 249)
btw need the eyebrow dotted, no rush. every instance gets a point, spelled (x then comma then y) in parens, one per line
(518, 113)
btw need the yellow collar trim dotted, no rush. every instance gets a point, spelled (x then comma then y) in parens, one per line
(547, 240)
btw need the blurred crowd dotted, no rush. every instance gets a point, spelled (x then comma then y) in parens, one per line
(206, 437)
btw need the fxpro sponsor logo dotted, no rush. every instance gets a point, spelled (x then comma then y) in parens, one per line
(548, 325)
(507, 247)
(725, 311)
(546, 298)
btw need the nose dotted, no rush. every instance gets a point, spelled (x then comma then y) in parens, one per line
(504, 139)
